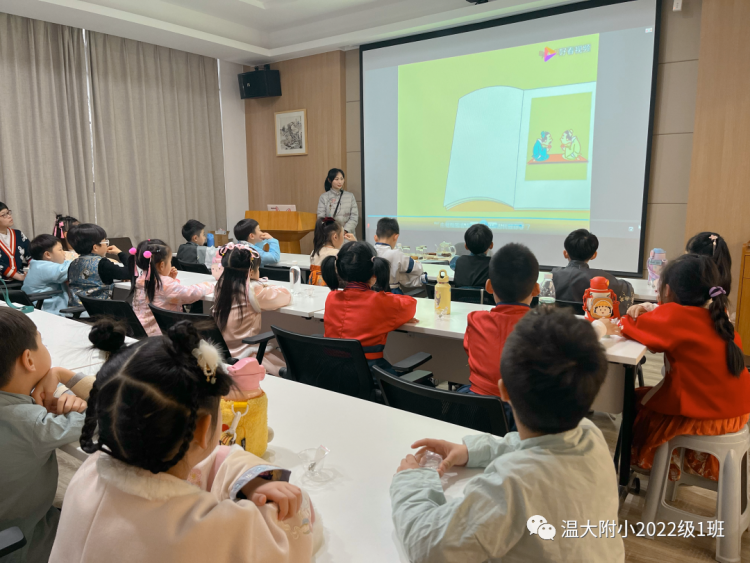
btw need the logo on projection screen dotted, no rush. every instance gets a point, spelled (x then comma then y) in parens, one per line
(548, 53)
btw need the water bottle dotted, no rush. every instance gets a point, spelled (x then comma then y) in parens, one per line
(547, 294)
(295, 279)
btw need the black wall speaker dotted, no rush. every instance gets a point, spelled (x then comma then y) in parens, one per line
(262, 83)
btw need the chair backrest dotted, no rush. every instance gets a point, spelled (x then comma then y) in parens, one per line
(17, 296)
(329, 363)
(119, 310)
(204, 324)
(123, 243)
(484, 414)
(195, 268)
(575, 306)
(464, 295)
(275, 274)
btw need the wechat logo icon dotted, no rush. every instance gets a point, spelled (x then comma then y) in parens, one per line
(538, 525)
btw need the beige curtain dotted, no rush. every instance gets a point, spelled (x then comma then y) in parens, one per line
(158, 150)
(45, 140)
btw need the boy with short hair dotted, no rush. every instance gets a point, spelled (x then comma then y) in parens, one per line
(193, 232)
(556, 466)
(513, 274)
(572, 281)
(248, 232)
(48, 271)
(405, 271)
(473, 270)
(92, 274)
(29, 434)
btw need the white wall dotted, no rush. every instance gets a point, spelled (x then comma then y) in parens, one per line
(235, 149)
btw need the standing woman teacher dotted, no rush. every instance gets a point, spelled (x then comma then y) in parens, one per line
(337, 203)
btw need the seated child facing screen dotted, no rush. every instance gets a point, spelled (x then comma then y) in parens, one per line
(48, 271)
(92, 274)
(194, 233)
(240, 299)
(30, 434)
(248, 233)
(405, 272)
(473, 270)
(359, 312)
(157, 471)
(513, 273)
(706, 386)
(156, 283)
(572, 281)
(557, 465)
(328, 238)
(63, 224)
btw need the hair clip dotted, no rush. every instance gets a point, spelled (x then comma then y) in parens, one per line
(715, 291)
(208, 359)
(713, 238)
(328, 220)
(62, 224)
(147, 254)
(132, 251)
(372, 259)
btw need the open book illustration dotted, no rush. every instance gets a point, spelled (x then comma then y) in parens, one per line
(525, 149)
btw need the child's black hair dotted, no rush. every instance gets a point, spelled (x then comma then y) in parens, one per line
(356, 262)
(325, 228)
(232, 285)
(144, 405)
(552, 366)
(83, 237)
(581, 245)
(691, 278)
(332, 173)
(192, 228)
(513, 272)
(713, 245)
(42, 244)
(63, 223)
(19, 334)
(244, 228)
(3, 207)
(478, 238)
(387, 227)
(160, 252)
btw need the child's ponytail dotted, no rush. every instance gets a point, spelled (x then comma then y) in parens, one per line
(693, 280)
(713, 245)
(329, 272)
(382, 270)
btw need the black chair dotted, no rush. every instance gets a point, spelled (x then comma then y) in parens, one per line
(13, 284)
(11, 539)
(206, 327)
(484, 414)
(120, 310)
(195, 268)
(34, 299)
(464, 295)
(275, 274)
(123, 243)
(337, 364)
(575, 306)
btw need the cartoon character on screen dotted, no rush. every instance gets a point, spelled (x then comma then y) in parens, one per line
(599, 301)
(657, 260)
(244, 412)
(542, 147)
(570, 145)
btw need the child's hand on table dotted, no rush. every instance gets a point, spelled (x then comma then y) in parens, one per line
(285, 495)
(44, 391)
(636, 310)
(414, 321)
(173, 273)
(452, 454)
(65, 404)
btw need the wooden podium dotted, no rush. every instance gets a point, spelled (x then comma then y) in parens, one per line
(288, 227)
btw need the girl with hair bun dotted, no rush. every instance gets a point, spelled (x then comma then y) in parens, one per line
(363, 310)
(155, 282)
(706, 386)
(328, 238)
(157, 487)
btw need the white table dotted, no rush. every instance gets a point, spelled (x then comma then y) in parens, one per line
(288, 260)
(312, 298)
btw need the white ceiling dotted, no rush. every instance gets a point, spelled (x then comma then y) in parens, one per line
(258, 31)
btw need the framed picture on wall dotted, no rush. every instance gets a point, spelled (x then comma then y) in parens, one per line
(291, 132)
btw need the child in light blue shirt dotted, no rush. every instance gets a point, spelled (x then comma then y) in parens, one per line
(248, 233)
(48, 271)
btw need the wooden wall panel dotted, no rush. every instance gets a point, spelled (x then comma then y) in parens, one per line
(719, 197)
(318, 85)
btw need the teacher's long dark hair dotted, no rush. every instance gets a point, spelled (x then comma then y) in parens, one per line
(332, 173)
(356, 262)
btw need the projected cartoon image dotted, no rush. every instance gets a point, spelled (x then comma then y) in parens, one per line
(571, 146)
(542, 146)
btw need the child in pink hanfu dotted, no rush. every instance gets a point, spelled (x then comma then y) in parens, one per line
(156, 283)
(241, 296)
